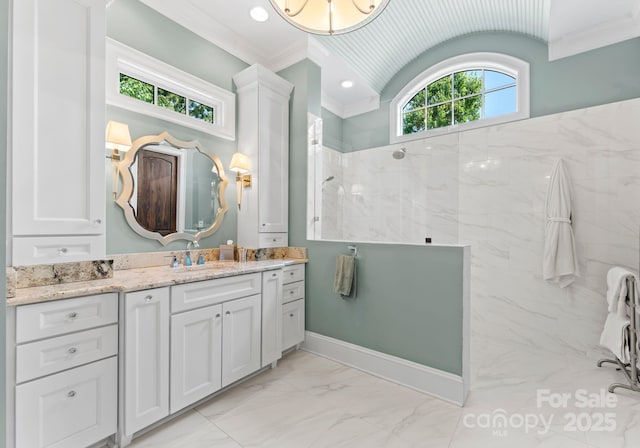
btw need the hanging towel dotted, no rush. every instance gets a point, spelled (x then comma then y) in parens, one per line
(559, 261)
(344, 278)
(617, 289)
(615, 336)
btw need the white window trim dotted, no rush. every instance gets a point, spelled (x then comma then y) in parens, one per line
(124, 59)
(514, 67)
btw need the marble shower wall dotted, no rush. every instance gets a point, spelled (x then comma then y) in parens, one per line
(487, 187)
(375, 197)
(524, 329)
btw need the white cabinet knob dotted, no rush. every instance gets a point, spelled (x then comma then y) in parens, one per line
(148, 298)
(62, 251)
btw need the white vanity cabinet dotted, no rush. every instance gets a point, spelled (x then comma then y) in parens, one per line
(241, 338)
(57, 120)
(271, 316)
(293, 306)
(263, 134)
(146, 358)
(63, 362)
(196, 351)
(215, 335)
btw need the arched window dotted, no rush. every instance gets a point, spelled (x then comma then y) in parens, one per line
(464, 92)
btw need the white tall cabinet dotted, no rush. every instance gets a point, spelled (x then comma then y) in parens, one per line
(263, 134)
(57, 131)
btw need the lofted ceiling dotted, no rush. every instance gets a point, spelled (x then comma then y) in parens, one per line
(372, 55)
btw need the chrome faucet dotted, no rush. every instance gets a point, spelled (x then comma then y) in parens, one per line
(193, 245)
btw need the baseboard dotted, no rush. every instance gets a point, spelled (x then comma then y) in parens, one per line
(438, 383)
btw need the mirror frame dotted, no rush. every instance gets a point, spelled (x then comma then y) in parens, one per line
(126, 193)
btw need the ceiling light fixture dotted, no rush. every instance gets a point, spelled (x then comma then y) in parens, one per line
(347, 84)
(259, 14)
(329, 16)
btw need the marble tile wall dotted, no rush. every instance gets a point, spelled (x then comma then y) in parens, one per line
(522, 327)
(375, 197)
(487, 187)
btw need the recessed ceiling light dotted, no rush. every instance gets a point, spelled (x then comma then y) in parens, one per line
(259, 14)
(347, 83)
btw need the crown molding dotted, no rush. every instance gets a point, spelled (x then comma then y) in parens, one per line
(347, 111)
(190, 17)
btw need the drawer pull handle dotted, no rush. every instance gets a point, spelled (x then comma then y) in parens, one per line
(274, 240)
(73, 315)
(228, 313)
(291, 315)
(274, 275)
(217, 315)
(72, 350)
(62, 250)
(263, 225)
(98, 221)
(292, 273)
(291, 292)
(148, 298)
(71, 394)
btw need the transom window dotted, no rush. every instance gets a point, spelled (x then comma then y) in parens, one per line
(461, 93)
(140, 83)
(166, 99)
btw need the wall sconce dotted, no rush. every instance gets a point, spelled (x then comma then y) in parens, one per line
(118, 140)
(240, 164)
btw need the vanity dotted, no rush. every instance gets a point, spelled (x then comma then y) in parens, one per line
(136, 349)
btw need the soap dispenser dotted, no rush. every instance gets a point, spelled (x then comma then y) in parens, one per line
(200, 259)
(187, 259)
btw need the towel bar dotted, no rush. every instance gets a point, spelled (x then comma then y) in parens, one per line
(630, 370)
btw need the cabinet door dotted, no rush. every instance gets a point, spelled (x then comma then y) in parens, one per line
(240, 338)
(196, 355)
(273, 169)
(74, 408)
(271, 316)
(292, 323)
(146, 357)
(58, 117)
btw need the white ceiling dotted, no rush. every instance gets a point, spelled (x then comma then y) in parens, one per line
(372, 55)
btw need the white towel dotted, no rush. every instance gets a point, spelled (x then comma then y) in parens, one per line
(617, 289)
(615, 336)
(559, 261)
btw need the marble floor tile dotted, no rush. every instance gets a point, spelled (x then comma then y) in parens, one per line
(190, 430)
(311, 402)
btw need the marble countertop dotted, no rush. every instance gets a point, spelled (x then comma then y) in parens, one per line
(128, 280)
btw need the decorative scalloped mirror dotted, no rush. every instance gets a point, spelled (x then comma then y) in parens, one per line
(171, 189)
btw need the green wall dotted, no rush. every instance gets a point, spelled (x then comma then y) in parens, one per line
(331, 130)
(4, 85)
(600, 76)
(138, 26)
(409, 300)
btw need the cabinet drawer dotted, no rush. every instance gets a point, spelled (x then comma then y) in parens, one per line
(69, 409)
(292, 324)
(195, 295)
(273, 240)
(48, 319)
(52, 355)
(45, 250)
(293, 291)
(293, 273)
